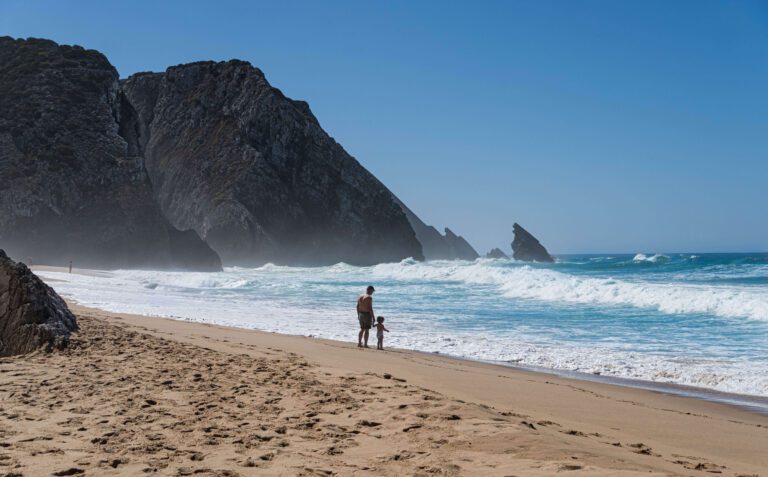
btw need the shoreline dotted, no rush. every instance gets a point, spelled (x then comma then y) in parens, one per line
(136, 394)
(750, 402)
(744, 402)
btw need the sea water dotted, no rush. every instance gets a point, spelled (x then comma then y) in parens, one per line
(699, 320)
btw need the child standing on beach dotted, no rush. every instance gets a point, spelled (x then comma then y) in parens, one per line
(380, 329)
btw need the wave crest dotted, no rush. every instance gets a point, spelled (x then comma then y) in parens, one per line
(527, 282)
(657, 258)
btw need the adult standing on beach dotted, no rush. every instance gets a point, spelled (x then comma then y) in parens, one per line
(365, 315)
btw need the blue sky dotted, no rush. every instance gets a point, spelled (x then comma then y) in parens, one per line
(601, 126)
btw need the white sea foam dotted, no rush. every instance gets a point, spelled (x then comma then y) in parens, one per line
(541, 284)
(318, 301)
(657, 258)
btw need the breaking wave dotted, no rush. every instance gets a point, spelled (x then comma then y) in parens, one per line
(542, 284)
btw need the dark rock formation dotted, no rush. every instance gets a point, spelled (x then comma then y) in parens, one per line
(188, 252)
(496, 253)
(72, 180)
(437, 246)
(527, 248)
(32, 315)
(255, 175)
(461, 249)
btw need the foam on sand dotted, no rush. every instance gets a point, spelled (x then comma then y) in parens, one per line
(493, 310)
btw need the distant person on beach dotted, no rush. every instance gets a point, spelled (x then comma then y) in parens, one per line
(380, 329)
(365, 316)
(70, 266)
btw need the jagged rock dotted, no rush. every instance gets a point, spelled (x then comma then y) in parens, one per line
(255, 175)
(527, 248)
(72, 180)
(461, 248)
(496, 253)
(32, 315)
(435, 245)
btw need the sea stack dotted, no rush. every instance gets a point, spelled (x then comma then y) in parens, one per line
(437, 246)
(527, 248)
(496, 253)
(32, 315)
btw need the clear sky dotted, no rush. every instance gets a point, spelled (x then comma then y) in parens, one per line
(601, 126)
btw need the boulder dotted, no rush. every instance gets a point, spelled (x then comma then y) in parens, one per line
(527, 248)
(32, 315)
(496, 253)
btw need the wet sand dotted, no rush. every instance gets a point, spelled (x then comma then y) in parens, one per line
(151, 396)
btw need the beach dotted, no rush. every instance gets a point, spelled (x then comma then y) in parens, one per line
(689, 320)
(540, 218)
(139, 395)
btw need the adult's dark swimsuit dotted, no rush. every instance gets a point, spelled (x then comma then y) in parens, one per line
(365, 319)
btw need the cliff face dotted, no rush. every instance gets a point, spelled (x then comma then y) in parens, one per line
(527, 248)
(437, 246)
(32, 315)
(255, 175)
(72, 184)
(108, 174)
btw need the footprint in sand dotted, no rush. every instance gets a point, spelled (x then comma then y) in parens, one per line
(70, 471)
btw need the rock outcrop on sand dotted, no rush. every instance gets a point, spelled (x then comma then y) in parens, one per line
(255, 175)
(496, 253)
(437, 246)
(72, 179)
(32, 315)
(527, 248)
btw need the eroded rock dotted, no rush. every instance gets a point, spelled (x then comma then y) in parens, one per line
(496, 253)
(527, 248)
(32, 315)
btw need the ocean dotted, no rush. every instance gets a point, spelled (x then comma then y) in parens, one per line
(688, 319)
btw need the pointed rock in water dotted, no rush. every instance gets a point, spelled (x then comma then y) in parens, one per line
(527, 248)
(437, 246)
(32, 315)
(496, 253)
(461, 248)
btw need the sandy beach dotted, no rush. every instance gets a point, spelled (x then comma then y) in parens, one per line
(543, 214)
(138, 395)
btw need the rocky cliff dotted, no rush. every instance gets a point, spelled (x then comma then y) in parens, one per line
(72, 180)
(527, 248)
(437, 246)
(255, 175)
(109, 173)
(32, 315)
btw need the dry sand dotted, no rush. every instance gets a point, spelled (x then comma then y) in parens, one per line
(150, 396)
